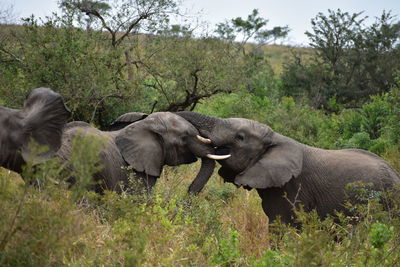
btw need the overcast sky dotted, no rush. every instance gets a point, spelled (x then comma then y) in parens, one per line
(295, 14)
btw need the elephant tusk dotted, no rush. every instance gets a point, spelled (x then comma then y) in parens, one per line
(218, 157)
(203, 140)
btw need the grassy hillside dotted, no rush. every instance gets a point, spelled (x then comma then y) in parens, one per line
(278, 55)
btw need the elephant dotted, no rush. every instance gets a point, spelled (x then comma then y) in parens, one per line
(287, 173)
(146, 144)
(41, 120)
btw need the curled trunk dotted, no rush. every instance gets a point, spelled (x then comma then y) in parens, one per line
(204, 124)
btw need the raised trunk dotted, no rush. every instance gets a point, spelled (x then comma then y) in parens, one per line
(203, 123)
(206, 170)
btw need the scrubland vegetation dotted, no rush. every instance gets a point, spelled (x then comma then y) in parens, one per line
(343, 92)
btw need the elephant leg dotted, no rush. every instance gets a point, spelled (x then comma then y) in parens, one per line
(146, 181)
(276, 205)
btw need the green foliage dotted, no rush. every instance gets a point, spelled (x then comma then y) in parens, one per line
(83, 164)
(187, 70)
(56, 54)
(109, 68)
(373, 127)
(380, 234)
(42, 224)
(352, 61)
(285, 116)
(272, 258)
(228, 253)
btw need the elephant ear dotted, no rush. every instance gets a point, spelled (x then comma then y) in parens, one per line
(43, 117)
(141, 146)
(281, 162)
(126, 119)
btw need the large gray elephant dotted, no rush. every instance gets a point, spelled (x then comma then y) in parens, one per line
(146, 144)
(286, 172)
(41, 119)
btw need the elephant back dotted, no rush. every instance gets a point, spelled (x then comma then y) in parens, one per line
(126, 119)
(112, 165)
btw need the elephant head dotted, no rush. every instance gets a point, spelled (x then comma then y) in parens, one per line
(260, 158)
(287, 173)
(41, 120)
(147, 144)
(164, 138)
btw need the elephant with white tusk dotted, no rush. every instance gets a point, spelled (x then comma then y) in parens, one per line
(146, 143)
(286, 172)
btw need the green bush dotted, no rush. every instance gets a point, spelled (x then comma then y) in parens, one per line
(228, 253)
(380, 234)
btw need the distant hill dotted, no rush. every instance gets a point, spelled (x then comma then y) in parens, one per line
(280, 54)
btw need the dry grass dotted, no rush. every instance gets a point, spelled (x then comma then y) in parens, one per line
(247, 217)
(278, 55)
(392, 155)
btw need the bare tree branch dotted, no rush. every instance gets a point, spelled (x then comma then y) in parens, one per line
(131, 26)
(16, 58)
(90, 11)
(191, 100)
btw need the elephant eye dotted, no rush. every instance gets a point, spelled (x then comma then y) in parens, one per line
(184, 139)
(240, 136)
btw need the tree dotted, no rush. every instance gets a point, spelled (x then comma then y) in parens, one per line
(251, 29)
(237, 33)
(57, 55)
(92, 9)
(127, 60)
(173, 71)
(92, 69)
(7, 15)
(120, 18)
(352, 61)
(187, 70)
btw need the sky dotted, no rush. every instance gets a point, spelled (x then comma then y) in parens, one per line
(296, 14)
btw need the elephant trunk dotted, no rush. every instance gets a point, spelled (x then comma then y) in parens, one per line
(203, 123)
(206, 170)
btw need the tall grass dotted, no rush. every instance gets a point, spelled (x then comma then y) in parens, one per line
(222, 226)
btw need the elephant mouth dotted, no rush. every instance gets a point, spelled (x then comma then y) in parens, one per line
(222, 150)
(220, 154)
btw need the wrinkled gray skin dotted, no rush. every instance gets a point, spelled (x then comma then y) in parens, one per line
(276, 165)
(182, 133)
(147, 145)
(41, 119)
